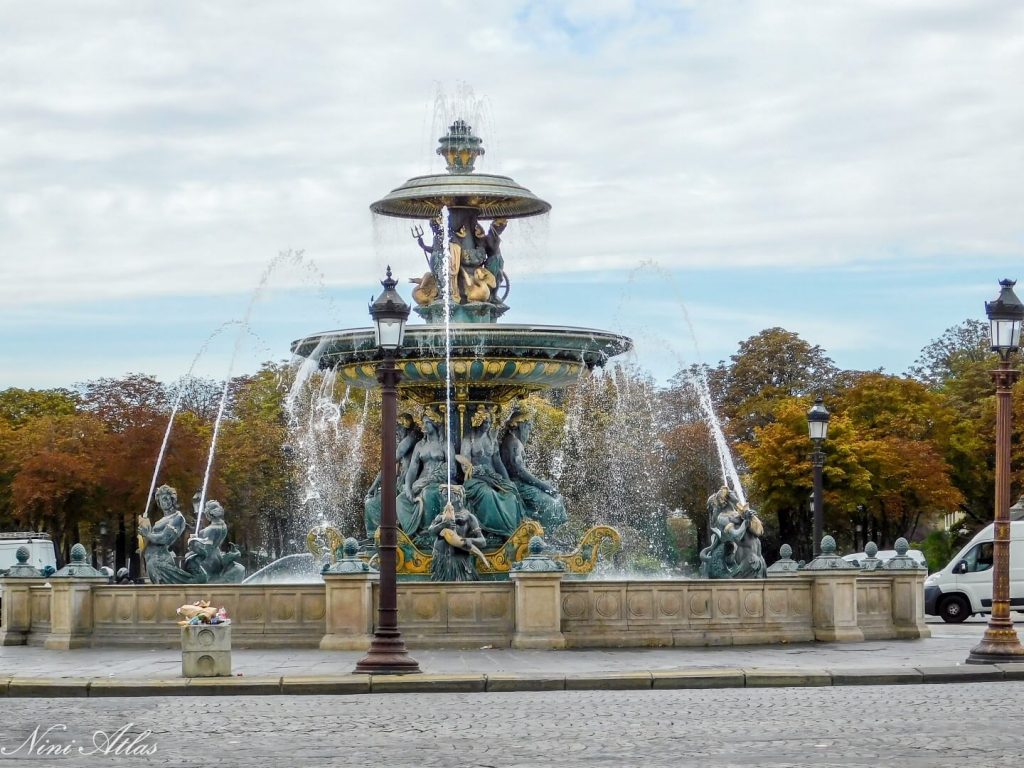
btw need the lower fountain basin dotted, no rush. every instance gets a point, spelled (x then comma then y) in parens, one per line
(506, 360)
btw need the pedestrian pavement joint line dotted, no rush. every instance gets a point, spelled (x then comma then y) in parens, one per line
(14, 686)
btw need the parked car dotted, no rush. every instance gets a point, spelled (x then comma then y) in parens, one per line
(885, 555)
(964, 587)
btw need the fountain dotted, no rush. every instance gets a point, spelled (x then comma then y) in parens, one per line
(461, 368)
(468, 504)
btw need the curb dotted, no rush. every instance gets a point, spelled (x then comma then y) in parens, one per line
(341, 685)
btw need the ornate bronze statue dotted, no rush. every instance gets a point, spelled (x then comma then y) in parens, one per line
(490, 492)
(735, 548)
(158, 540)
(495, 263)
(478, 284)
(541, 498)
(475, 264)
(457, 541)
(420, 499)
(207, 563)
(428, 288)
(407, 435)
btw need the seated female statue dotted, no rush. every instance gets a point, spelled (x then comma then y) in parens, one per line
(407, 434)
(490, 494)
(420, 499)
(540, 497)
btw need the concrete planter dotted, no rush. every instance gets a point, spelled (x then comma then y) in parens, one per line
(206, 650)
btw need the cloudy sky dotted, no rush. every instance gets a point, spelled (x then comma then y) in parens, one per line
(850, 171)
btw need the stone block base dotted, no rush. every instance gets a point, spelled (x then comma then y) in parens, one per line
(206, 650)
(838, 635)
(539, 641)
(65, 642)
(13, 637)
(206, 663)
(345, 642)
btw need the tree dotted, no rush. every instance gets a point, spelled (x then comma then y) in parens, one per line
(18, 406)
(904, 436)
(959, 348)
(253, 471)
(958, 365)
(770, 366)
(54, 463)
(692, 468)
(611, 459)
(132, 401)
(781, 476)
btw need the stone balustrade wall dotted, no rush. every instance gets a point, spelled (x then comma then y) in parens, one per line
(874, 607)
(664, 613)
(455, 614)
(262, 616)
(536, 610)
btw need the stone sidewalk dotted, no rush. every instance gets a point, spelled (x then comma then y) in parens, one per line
(30, 671)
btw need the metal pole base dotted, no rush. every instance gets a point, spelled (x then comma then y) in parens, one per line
(387, 656)
(1000, 644)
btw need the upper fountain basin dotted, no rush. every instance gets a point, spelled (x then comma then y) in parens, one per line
(493, 197)
(509, 360)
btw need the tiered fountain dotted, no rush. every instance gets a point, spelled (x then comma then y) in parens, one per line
(463, 369)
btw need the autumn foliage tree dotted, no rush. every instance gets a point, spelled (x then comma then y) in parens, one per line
(901, 451)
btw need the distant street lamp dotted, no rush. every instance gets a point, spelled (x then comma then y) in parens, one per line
(387, 654)
(1000, 642)
(817, 428)
(103, 542)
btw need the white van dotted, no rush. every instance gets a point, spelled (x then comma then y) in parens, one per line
(964, 587)
(40, 550)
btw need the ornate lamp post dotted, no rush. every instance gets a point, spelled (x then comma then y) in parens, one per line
(1000, 643)
(817, 428)
(387, 654)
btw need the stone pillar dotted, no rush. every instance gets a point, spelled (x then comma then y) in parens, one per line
(16, 610)
(908, 604)
(538, 610)
(907, 593)
(71, 603)
(71, 612)
(350, 611)
(834, 607)
(833, 596)
(538, 585)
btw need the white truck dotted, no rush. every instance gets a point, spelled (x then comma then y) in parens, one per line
(964, 587)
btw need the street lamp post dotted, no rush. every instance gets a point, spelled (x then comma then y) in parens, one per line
(817, 428)
(387, 654)
(1000, 642)
(103, 542)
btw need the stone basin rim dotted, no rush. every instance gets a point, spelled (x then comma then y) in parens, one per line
(494, 195)
(463, 333)
(472, 342)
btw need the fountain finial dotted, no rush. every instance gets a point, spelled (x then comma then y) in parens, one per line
(460, 148)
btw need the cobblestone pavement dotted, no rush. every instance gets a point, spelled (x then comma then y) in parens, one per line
(949, 645)
(884, 727)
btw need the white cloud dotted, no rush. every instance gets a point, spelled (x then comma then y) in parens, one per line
(151, 149)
